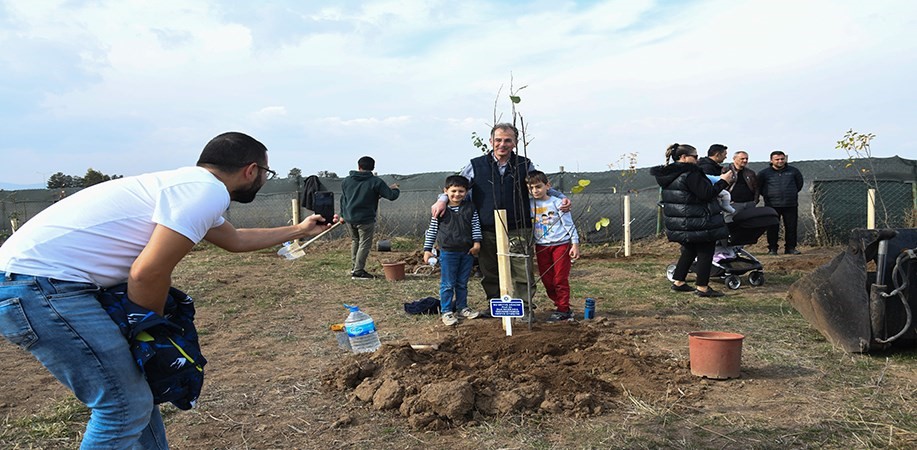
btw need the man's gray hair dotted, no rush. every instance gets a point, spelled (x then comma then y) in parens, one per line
(505, 127)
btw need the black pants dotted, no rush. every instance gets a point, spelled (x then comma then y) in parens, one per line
(790, 216)
(703, 252)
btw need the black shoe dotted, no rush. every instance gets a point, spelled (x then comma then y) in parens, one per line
(558, 316)
(682, 288)
(362, 275)
(793, 251)
(772, 252)
(708, 293)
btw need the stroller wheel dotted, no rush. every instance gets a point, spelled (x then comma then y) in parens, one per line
(733, 282)
(670, 272)
(756, 278)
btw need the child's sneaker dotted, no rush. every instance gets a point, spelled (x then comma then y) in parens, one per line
(449, 319)
(469, 313)
(558, 316)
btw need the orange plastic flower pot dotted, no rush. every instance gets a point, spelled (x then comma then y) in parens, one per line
(393, 271)
(715, 354)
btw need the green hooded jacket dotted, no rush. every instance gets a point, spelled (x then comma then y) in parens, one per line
(360, 196)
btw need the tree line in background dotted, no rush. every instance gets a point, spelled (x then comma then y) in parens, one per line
(61, 180)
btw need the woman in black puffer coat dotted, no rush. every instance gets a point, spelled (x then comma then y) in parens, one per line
(692, 215)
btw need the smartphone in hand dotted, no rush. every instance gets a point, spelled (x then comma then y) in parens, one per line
(323, 201)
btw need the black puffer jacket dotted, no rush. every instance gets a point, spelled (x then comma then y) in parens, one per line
(689, 204)
(709, 166)
(780, 188)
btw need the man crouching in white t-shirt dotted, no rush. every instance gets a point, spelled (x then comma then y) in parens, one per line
(134, 230)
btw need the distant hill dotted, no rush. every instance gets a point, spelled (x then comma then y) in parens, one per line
(19, 187)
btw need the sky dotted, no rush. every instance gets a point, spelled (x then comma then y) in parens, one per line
(127, 86)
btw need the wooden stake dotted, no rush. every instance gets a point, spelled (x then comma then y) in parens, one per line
(296, 214)
(503, 267)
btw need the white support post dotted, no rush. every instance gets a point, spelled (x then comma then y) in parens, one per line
(871, 209)
(627, 225)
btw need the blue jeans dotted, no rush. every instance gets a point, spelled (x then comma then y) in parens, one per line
(455, 270)
(63, 325)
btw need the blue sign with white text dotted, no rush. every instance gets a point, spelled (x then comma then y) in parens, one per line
(506, 307)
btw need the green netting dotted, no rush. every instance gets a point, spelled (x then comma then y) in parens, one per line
(603, 198)
(841, 205)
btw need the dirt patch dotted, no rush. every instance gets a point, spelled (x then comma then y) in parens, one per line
(577, 369)
(277, 379)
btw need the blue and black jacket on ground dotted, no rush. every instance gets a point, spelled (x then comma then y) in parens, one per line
(165, 348)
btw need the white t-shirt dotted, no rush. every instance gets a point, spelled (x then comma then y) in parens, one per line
(551, 225)
(96, 234)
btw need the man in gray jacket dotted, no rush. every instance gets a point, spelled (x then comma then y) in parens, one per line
(780, 184)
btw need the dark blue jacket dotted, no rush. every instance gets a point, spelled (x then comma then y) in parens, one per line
(780, 188)
(491, 191)
(165, 348)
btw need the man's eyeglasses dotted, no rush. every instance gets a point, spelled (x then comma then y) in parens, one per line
(270, 173)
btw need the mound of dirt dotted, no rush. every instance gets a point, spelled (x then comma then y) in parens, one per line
(576, 369)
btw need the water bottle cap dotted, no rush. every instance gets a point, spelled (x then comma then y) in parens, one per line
(352, 308)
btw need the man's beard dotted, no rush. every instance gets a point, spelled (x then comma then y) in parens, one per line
(246, 195)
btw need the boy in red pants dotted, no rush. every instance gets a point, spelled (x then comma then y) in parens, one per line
(556, 244)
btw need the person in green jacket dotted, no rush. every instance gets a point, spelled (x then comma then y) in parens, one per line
(360, 195)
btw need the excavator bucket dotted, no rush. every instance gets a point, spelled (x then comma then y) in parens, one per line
(857, 309)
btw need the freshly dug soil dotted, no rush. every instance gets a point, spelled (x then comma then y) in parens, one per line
(572, 368)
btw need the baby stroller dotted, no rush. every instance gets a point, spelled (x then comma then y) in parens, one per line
(730, 259)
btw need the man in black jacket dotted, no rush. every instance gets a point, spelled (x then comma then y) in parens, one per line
(744, 186)
(780, 184)
(712, 163)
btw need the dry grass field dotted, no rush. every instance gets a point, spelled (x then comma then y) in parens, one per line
(276, 378)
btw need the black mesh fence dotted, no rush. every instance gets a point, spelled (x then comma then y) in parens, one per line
(839, 201)
(841, 205)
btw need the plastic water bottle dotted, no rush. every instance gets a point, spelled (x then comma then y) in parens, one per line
(361, 329)
(589, 310)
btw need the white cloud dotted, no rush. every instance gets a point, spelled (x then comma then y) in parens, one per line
(403, 77)
(368, 122)
(269, 112)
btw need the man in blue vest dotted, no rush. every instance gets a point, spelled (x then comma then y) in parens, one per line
(498, 182)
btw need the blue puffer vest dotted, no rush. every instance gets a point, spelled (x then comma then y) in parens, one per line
(492, 191)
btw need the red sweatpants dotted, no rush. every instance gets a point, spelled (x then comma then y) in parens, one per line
(554, 268)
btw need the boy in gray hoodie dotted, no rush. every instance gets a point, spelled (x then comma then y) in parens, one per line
(360, 194)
